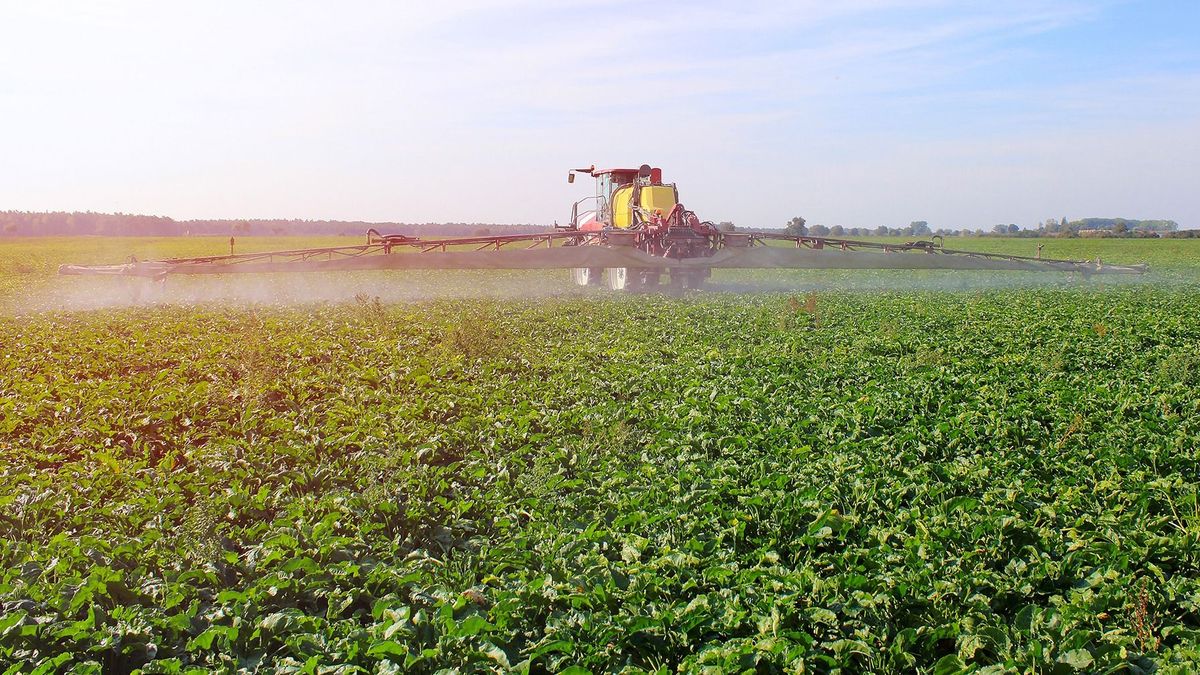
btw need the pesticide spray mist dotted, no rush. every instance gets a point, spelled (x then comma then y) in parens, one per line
(93, 293)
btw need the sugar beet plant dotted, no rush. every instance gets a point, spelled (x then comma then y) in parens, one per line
(938, 482)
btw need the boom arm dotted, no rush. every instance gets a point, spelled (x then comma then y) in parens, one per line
(601, 249)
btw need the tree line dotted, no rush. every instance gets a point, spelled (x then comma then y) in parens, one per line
(85, 223)
(88, 223)
(1052, 227)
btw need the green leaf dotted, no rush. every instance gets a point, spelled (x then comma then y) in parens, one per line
(108, 461)
(949, 665)
(8, 621)
(387, 648)
(961, 504)
(472, 625)
(1079, 659)
(495, 653)
(204, 641)
(561, 646)
(53, 664)
(1025, 618)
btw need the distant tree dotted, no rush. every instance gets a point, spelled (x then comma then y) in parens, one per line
(796, 227)
(1120, 227)
(482, 232)
(10, 228)
(1000, 228)
(726, 226)
(881, 231)
(837, 231)
(819, 230)
(1013, 228)
(920, 227)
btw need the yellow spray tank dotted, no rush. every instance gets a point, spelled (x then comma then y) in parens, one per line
(650, 198)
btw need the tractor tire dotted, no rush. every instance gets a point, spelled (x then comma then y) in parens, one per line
(585, 276)
(622, 278)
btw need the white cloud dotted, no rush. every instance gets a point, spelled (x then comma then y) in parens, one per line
(846, 112)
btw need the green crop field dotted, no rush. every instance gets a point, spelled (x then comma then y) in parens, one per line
(795, 472)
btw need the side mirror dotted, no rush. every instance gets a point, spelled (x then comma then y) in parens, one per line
(570, 176)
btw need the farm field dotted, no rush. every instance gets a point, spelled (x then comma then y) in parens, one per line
(796, 472)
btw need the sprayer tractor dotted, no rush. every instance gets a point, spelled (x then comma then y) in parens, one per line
(632, 233)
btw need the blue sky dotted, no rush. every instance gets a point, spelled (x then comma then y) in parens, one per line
(859, 113)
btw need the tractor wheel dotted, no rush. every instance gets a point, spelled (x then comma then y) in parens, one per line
(585, 276)
(622, 278)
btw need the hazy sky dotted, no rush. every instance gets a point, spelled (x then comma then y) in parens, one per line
(854, 112)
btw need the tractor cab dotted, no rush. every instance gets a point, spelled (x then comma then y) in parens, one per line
(624, 198)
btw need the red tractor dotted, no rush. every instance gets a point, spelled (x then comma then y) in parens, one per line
(638, 202)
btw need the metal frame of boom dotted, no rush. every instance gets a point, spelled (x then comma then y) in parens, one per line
(322, 258)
